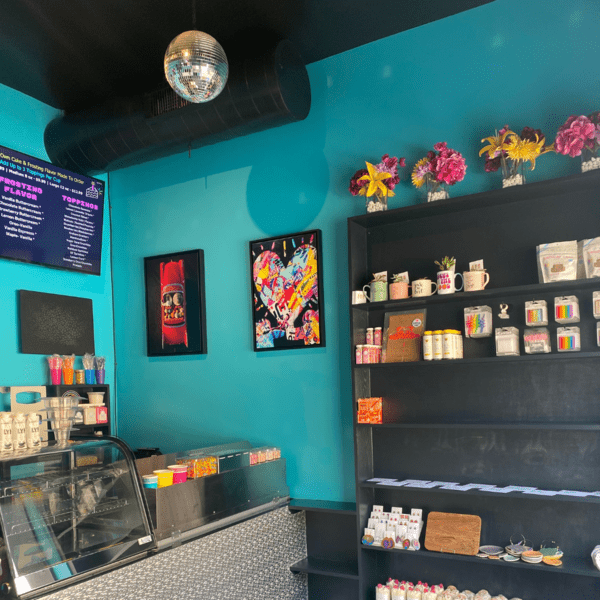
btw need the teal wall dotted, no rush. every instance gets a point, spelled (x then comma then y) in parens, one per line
(22, 124)
(522, 63)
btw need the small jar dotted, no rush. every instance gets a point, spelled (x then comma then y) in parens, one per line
(377, 336)
(566, 309)
(458, 341)
(568, 339)
(359, 354)
(428, 345)
(438, 348)
(448, 345)
(536, 313)
(507, 341)
(598, 332)
(596, 302)
(79, 376)
(369, 335)
(365, 359)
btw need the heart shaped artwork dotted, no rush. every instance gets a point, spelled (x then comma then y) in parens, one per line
(285, 290)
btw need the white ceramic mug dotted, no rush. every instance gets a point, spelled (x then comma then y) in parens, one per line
(423, 287)
(475, 280)
(378, 291)
(399, 290)
(446, 281)
(359, 297)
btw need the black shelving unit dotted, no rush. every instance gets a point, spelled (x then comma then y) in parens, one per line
(82, 390)
(332, 556)
(529, 420)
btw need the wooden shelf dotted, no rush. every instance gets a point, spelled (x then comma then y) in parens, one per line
(570, 566)
(331, 568)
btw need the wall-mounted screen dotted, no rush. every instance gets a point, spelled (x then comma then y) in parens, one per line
(48, 215)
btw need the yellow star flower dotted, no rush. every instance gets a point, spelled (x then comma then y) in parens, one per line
(418, 174)
(376, 185)
(497, 143)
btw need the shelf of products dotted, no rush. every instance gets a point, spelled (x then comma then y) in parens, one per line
(529, 420)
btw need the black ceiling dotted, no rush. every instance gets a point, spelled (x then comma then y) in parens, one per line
(72, 54)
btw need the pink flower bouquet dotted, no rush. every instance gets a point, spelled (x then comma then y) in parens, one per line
(444, 166)
(576, 134)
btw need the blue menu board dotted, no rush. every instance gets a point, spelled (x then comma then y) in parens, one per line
(48, 215)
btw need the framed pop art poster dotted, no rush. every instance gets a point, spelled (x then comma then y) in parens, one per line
(287, 292)
(175, 307)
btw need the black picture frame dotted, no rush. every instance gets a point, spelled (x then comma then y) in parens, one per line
(286, 292)
(175, 323)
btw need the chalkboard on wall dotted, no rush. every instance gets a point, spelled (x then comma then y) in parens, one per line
(54, 324)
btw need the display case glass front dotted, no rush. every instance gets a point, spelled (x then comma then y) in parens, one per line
(67, 512)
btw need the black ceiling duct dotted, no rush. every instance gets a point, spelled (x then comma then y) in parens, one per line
(262, 92)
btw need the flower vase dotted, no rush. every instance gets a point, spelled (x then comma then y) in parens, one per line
(589, 160)
(513, 172)
(377, 203)
(437, 191)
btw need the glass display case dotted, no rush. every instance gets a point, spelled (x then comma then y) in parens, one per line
(68, 513)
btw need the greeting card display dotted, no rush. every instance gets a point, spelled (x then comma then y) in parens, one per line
(403, 335)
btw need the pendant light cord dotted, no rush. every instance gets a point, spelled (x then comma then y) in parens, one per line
(194, 14)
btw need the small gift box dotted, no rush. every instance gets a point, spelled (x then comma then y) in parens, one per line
(507, 341)
(537, 340)
(478, 321)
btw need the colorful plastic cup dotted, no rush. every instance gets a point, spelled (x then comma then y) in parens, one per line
(67, 376)
(179, 473)
(150, 481)
(100, 375)
(56, 376)
(89, 375)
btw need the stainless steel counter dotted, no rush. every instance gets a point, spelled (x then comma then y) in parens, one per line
(246, 561)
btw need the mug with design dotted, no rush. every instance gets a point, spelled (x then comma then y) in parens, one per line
(446, 281)
(378, 290)
(475, 281)
(423, 287)
(399, 290)
(359, 297)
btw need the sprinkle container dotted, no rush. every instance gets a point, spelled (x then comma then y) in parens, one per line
(596, 301)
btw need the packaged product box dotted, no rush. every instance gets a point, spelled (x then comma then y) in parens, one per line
(370, 410)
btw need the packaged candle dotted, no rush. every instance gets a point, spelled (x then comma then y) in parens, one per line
(566, 309)
(536, 313)
(568, 339)
(507, 341)
(478, 321)
(536, 340)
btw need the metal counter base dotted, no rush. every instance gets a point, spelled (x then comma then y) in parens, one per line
(247, 561)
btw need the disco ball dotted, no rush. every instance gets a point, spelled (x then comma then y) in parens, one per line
(196, 66)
